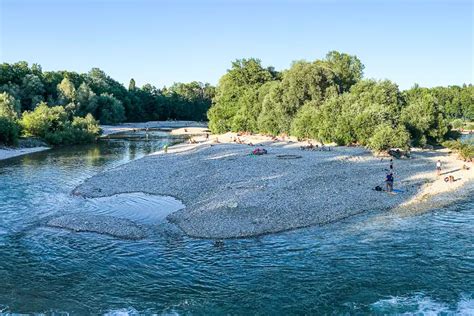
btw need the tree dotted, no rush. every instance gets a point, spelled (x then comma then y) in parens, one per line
(85, 99)
(371, 104)
(67, 91)
(303, 82)
(9, 107)
(131, 85)
(423, 118)
(32, 91)
(386, 137)
(347, 68)
(9, 131)
(108, 109)
(233, 91)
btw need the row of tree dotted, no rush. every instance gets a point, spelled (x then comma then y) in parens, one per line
(105, 98)
(61, 107)
(328, 100)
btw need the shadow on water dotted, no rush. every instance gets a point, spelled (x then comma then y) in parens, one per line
(380, 263)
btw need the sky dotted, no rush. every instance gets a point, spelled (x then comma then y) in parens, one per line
(161, 42)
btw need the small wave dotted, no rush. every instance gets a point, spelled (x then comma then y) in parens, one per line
(130, 311)
(420, 304)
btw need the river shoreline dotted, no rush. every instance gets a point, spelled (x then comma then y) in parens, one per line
(166, 125)
(7, 153)
(229, 193)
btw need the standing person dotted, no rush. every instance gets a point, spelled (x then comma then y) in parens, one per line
(438, 167)
(389, 181)
(391, 165)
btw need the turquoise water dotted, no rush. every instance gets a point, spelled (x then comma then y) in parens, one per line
(377, 263)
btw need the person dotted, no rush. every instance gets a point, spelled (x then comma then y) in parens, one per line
(438, 167)
(165, 148)
(391, 165)
(389, 181)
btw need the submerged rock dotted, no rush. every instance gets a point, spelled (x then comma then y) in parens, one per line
(107, 225)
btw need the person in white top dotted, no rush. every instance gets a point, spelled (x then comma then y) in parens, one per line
(438, 168)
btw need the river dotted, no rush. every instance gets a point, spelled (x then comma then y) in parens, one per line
(376, 263)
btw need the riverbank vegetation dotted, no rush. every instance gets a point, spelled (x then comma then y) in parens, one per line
(465, 150)
(61, 106)
(328, 100)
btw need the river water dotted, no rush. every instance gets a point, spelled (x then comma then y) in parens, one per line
(376, 263)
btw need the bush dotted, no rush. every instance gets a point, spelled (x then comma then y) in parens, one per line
(304, 124)
(9, 107)
(386, 137)
(9, 131)
(54, 126)
(457, 123)
(465, 150)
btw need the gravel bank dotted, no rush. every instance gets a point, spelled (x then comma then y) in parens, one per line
(230, 194)
(125, 127)
(6, 153)
(108, 225)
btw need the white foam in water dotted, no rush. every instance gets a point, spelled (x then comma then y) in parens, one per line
(123, 312)
(422, 305)
(133, 312)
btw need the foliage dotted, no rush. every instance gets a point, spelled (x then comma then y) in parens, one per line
(237, 89)
(9, 131)
(9, 107)
(54, 126)
(386, 137)
(464, 149)
(107, 109)
(325, 99)
(424, 118)
(304, 125)
(328, 100)
(348, 69)
(66, 91)
(457, 123)
(77, 93)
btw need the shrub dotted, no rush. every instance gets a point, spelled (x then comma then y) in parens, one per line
(386, 137)
(465, 150)
(9, 106)
(457, 123)
(304, 124)
(9, 131)
(54, 126)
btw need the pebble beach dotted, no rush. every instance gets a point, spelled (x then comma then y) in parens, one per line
(230, 193)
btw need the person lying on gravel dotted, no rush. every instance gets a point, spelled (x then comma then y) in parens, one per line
(259, 151)
(308, 147)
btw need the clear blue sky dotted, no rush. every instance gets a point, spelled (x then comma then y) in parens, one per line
(161, 42)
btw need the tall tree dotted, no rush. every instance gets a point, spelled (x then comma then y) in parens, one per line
(348, 69)
(67, 91)
(131, 85)
(246, 75)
